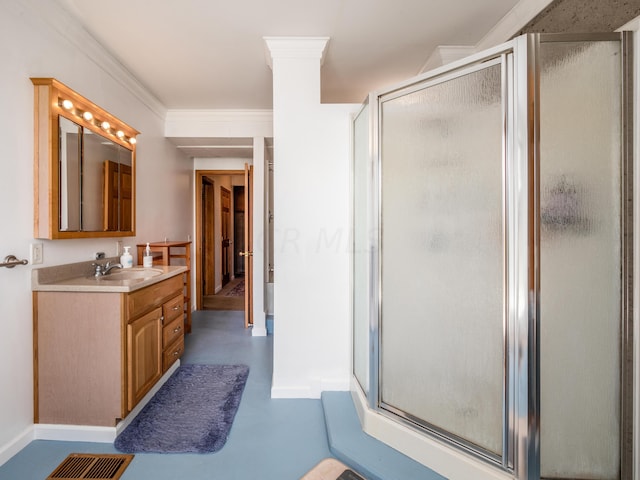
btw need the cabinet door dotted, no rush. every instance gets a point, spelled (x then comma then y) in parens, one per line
(144, 355)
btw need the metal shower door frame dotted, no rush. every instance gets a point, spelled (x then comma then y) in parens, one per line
(521, 212)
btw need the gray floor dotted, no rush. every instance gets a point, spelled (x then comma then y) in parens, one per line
(270, 439)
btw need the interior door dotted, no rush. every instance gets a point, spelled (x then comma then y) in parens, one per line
(248, 242)
(118, 196)
(225, 227)
(208, 278)
(126, 198)
(111, 175)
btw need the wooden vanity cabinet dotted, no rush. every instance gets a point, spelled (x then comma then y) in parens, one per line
(97, 354)
(146, 334)
(144, 355)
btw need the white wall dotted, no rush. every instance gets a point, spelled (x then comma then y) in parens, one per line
(311, 204)
(38, 39)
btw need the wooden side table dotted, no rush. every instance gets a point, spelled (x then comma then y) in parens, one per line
(173, 253)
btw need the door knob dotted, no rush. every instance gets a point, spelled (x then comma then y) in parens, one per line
(246, 254)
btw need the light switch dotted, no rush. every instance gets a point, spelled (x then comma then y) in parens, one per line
(36, 253)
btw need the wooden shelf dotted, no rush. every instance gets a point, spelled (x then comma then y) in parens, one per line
(173, 253)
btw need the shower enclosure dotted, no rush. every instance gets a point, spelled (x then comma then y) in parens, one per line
(492, 235)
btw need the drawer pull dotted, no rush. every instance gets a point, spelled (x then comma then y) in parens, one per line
(176, 353)
(177, 307)
(177, 329)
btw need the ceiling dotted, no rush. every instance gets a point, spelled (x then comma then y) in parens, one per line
(210, 54)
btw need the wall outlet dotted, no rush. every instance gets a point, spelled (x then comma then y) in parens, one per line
(35, 253)
(118, 248)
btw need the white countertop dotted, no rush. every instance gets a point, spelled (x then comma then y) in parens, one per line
(78, 278)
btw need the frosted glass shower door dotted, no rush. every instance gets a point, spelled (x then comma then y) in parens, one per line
(361, 247)
(581, 260)
(442, 325)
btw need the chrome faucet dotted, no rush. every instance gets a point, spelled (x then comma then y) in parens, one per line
(108, 267)
(101, 270)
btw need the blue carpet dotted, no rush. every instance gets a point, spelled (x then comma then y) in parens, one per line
(191, 413)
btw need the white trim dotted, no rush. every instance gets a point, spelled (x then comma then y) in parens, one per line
(218, 123)
(294, 47)
(74, 433)
(445, 460)
(444, 54)
(291, 392)
(14, 446)
(55, 15)
(314, 390)
(89, 433)
(508, 26)
(258, 331)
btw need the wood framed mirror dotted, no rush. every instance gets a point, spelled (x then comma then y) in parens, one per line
(84, 167)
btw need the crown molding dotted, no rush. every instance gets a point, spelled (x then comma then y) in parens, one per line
(218, 123)
(295, 47)
(61, 21)
(444, 54)
(508, 26)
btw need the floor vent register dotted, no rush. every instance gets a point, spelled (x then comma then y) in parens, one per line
(91, 467)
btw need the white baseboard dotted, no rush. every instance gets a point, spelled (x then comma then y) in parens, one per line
(291, 392)
(9, 450)
(314, 390)
(258, 331)
(89, 433)
(74, 433)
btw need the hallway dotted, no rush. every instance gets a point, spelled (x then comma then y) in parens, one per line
(231, 297)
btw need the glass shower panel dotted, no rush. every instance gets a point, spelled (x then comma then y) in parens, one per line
(361, 230)
(442, 263)
(580, 259)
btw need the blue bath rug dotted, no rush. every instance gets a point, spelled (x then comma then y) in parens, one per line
(191, 413)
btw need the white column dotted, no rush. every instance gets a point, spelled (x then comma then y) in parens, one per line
(311, 189)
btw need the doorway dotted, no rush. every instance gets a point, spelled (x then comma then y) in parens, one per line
(219, 279)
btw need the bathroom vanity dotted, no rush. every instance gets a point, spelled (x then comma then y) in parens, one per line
(102, 343)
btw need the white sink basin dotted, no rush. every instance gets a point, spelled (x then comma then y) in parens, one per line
(131, 274)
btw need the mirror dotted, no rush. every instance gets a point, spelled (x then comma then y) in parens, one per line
(85, 164)
(95, 181)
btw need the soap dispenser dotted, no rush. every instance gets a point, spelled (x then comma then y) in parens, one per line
(126, 260)
(147, 258)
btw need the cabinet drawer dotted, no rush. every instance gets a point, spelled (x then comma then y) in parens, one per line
(173, 309)
(172, 331)
(173, 353)
(153, 296)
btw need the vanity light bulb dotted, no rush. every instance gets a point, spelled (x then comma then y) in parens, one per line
(120, 134)
(67, 104)
(132, 141)
(105, 125)
(87, 116)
